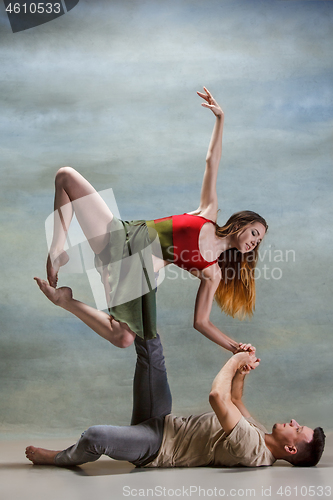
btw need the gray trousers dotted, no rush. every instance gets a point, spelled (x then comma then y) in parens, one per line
(139, 442)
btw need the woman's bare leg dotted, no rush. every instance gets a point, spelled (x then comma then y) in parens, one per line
(73, 193)
(119, 334)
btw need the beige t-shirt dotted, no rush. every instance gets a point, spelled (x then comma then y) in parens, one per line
(200, 440)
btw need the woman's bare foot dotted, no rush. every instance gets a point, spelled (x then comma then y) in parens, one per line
(40, 456)
(59, 296)
(55, 261)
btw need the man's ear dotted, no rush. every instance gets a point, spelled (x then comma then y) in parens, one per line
(290, 449)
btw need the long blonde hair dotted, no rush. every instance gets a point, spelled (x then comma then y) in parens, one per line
(236, 292)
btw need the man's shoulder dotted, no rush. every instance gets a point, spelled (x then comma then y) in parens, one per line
(256, 424)
(246, 442)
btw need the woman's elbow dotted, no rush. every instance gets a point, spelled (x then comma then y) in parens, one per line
(196, 324)
(213, 159)
(200, 324)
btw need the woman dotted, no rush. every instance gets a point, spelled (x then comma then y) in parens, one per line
(223, 258)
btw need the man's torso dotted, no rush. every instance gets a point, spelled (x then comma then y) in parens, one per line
(198, 441)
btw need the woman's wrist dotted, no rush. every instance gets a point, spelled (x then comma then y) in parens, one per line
(234, 348)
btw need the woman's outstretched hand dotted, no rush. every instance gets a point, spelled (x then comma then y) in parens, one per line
(245, 348)
(210, 102)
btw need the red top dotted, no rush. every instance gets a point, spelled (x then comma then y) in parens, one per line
(185, 240)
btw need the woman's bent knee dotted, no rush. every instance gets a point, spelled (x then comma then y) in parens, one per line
(125, 340)
(63, 174)
(120, 334)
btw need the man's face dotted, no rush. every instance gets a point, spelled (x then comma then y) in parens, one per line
(292, 433)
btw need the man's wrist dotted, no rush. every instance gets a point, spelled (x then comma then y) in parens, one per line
(242, 358)
(234, 363)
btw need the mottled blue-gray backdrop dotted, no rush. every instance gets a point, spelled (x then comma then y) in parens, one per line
(110, 89)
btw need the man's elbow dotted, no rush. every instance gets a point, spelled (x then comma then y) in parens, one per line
(216, 397)
(219, 403)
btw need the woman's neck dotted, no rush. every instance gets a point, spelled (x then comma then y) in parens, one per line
(225, 243)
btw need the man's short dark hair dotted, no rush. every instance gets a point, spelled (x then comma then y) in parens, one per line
(308, 454)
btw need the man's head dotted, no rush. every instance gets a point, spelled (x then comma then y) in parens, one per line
(299, 445)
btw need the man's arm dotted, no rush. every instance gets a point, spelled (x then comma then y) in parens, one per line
(237, 392)
(220, 396)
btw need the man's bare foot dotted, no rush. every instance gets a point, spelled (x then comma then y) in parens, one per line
(40, 456)
(54, 262)
(59, 296)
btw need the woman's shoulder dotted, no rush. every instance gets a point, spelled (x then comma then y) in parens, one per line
(209, 215)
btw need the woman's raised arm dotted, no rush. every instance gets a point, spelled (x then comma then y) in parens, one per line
(208, 200)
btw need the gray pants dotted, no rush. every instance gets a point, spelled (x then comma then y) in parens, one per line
(139, 442)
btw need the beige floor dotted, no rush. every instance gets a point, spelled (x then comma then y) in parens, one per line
(111, 480)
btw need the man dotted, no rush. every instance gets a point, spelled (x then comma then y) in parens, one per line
(229, 437)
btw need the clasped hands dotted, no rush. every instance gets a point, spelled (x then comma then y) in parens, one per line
(246, 358)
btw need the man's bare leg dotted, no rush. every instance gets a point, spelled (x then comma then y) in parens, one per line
(40, 456)
(119, 334)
